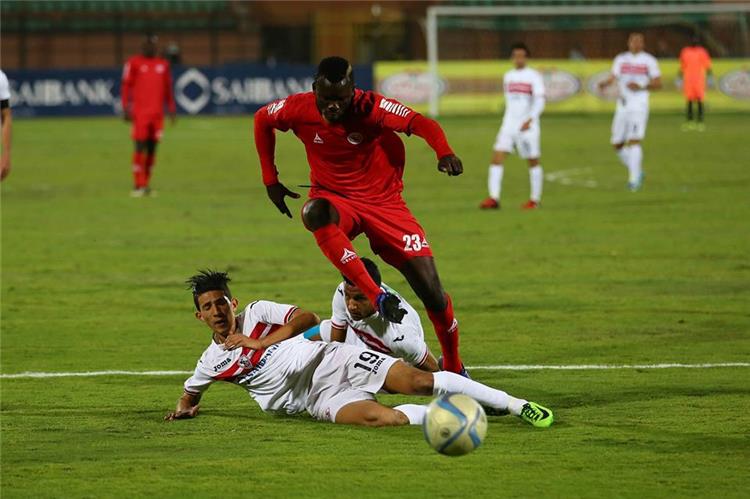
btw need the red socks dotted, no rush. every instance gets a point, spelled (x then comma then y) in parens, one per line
(446, 329)
(149, 164)
(339, 250)
(140, 179)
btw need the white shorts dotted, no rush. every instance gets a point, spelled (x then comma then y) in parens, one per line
(526, 143)
(629, 125)
(346, 374)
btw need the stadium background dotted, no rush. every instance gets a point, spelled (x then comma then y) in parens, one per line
(93, 280)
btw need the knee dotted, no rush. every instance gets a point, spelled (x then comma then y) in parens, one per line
(434, 298)
(422, 383)
(318, 213)
(618, 146)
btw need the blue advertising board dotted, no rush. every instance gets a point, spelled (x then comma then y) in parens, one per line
(228, 89)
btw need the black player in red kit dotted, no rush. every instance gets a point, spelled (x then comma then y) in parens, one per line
(356, 166)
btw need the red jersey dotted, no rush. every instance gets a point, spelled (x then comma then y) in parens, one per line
(358, 158)
(147, 81)
(694, 62)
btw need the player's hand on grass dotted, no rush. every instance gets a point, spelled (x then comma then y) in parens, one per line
(188, 413)
(451, 165)
(4, 165)
(238, 340)
(526, 125)
(173, 119)
(277, 192)
(126, 115)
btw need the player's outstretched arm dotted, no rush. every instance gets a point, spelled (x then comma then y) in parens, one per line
(265, 145)
(187, 407)
(434, 135)
(300, 321)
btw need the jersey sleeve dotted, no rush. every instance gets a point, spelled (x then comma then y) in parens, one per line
(198, 382)
(653, 68)
(273, 116)
(128, 80)
(537, 86)
(411, 347)
(4, 87)
(706, 59)
(271, 312)
(392, 115)
(338, 309)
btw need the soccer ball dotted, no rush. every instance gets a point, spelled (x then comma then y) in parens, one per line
(454, 424)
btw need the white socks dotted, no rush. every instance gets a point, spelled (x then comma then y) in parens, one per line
(624, 154)
(448, 382)
(635, 157)
(495, 181)
(414, 412)
(536, 178)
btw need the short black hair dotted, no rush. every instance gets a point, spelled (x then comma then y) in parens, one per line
(372, 269)
(520, 46)
(335, 69)
(208, 280)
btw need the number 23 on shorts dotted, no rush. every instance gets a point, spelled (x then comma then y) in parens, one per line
(414, 242)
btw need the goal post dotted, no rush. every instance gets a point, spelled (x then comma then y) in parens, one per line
(437, 12)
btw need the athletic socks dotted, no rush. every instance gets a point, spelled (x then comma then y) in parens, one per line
(139, 170)
(445, 382)
(149, 165)
(624, 154)
(690, 110)
(446, 330)
(339, 250)
(700, 111)
(495, 181)
(635, 158)
(536, 179)
(414, 412)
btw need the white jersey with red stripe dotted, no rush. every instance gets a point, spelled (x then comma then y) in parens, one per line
(523, 88)
(639, 68)
(278, 378)
(405, 340)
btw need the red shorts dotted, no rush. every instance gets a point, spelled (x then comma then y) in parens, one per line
(393, 232)
(147, 127)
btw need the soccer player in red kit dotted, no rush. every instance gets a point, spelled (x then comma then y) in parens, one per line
(147, 82)
(356, 166)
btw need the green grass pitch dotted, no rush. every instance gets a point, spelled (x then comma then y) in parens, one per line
(93, 280)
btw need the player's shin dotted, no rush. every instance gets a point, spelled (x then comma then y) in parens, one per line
(149, 165)
(536, 179)
(634, 164)
(446, 330)
(339, 250)
(624, 154)
(495, 181)
(139, 169)
(445, 382)
(415, 413)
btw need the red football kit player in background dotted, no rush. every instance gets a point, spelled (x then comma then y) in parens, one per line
(147, 82)
(356, 167)
(695, 64)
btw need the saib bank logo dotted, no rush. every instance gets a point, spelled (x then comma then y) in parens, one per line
(192, 91)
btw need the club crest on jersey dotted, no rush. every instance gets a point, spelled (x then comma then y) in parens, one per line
(355, 138)
(244, 362)
(317, 139)
(348, 256)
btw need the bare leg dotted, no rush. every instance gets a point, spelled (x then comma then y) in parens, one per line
(370, 413)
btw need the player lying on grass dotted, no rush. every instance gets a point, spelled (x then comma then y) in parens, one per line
(356, 168)
(356, 322)
(261, 351)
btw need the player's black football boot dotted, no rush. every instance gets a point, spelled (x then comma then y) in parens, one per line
(389, 307)
(463, 371)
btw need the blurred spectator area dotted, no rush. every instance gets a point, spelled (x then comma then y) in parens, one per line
(85, 33)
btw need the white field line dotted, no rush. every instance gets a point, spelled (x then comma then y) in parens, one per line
(500, 367)
(571, 176)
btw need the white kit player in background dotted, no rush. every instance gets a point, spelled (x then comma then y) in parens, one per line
(636, 73)
(262, 351)
(355, 321)
(524, 103)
